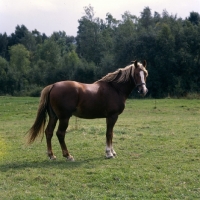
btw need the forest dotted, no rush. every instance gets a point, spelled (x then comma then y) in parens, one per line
(30, 60)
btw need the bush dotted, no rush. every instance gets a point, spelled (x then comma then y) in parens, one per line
(35, 92)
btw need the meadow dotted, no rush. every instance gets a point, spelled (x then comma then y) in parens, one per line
(157, 144)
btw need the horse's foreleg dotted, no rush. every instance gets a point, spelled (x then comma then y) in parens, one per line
(110, 152)
(49, 133)
(63, 124)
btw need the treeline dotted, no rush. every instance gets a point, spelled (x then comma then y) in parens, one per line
(30, 60)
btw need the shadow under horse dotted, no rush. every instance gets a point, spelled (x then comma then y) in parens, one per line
(104, 98)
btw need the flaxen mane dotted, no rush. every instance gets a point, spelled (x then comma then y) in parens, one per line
(120, 76)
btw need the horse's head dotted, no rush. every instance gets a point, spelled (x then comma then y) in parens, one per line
(140, 75)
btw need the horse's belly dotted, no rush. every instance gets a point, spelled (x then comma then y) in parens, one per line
(86, 115)
(90, 113)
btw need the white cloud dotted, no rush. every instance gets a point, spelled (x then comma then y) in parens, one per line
(16, 6)
(43, 5)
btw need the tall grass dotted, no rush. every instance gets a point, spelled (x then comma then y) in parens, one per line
(157, 145)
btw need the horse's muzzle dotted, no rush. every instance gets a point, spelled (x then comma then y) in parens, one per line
(142, 90)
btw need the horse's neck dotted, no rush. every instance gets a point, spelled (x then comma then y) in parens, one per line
(124, 88)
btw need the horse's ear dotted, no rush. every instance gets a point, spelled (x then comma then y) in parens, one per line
(144, 63)
(135, 63)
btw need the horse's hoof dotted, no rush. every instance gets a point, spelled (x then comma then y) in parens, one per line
(114, 153)
(109, 156)
(70, 158)
(52, 157)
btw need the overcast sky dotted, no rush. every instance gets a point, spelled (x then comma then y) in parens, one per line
(48, 16)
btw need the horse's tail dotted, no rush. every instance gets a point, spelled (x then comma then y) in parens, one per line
(39, 124)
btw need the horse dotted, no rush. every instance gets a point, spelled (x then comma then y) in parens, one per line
(104, 98)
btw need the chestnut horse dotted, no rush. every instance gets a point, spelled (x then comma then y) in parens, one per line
(104, 98)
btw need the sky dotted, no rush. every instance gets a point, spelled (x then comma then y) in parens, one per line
(48, 16)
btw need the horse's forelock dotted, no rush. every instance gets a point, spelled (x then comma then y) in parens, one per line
(143, 68)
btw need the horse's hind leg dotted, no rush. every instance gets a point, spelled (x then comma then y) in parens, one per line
(49, 133)
(63, 124)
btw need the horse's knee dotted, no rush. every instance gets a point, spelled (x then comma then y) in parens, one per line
(60, 136)
(48, 134)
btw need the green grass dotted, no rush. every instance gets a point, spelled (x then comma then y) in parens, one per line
(157, 143)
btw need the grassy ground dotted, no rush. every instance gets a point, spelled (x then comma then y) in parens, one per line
(157, 142)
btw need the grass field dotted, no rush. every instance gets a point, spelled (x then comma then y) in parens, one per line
(157, 145)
